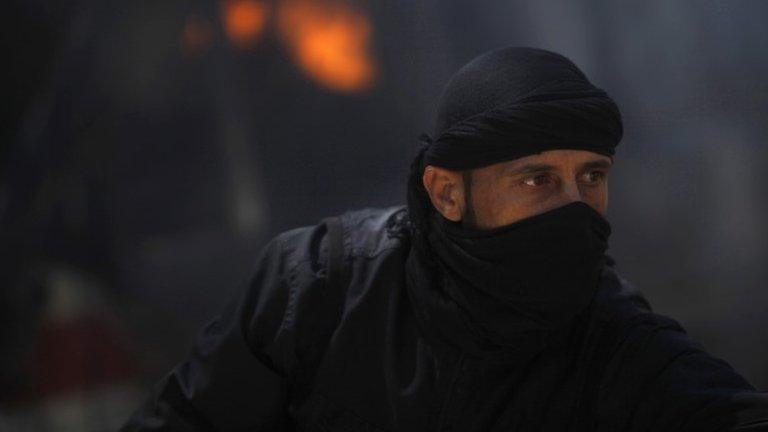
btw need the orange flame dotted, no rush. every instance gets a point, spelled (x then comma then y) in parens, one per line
(244, 21)
(329, 40)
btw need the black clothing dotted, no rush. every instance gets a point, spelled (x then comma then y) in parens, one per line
(371, 366)
(516, 101)
(493, 292)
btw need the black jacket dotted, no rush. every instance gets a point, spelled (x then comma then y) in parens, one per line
(315, 346)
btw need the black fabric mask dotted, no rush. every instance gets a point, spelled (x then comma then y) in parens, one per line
(502, 293)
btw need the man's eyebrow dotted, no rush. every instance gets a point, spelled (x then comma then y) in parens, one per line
(542, 167)
(530, 168)
(601, 163)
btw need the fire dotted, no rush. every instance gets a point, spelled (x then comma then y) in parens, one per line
(329, 41)
(244, 21)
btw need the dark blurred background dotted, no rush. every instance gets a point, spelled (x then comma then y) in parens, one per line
(151, 148)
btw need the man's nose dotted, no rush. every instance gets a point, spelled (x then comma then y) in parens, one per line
(571, 192)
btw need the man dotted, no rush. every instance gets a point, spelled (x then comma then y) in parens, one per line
(486, 304)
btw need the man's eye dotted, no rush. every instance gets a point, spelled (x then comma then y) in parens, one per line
(595, 176)
(538, 180)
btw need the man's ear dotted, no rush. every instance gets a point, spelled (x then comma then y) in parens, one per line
(446, 191)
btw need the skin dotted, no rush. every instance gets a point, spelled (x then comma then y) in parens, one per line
(505, 192)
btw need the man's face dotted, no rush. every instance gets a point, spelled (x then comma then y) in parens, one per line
(506, 192)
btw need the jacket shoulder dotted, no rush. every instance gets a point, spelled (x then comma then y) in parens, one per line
(651, 368)
(369, 231)
(366, 232)
(288, 301)
(669, 381)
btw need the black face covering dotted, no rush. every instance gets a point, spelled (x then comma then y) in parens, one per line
(516, 285)
(502, 293)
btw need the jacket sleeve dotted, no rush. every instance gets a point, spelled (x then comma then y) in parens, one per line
(237, 373)
(674, 384)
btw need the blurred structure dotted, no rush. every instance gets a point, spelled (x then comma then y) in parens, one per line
(151, 148)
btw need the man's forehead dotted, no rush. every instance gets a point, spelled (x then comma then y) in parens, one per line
(554, 159)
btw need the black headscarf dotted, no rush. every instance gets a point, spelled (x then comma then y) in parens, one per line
(502, 293)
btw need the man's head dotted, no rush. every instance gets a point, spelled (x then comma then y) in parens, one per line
(506, 202)
(519, 131)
